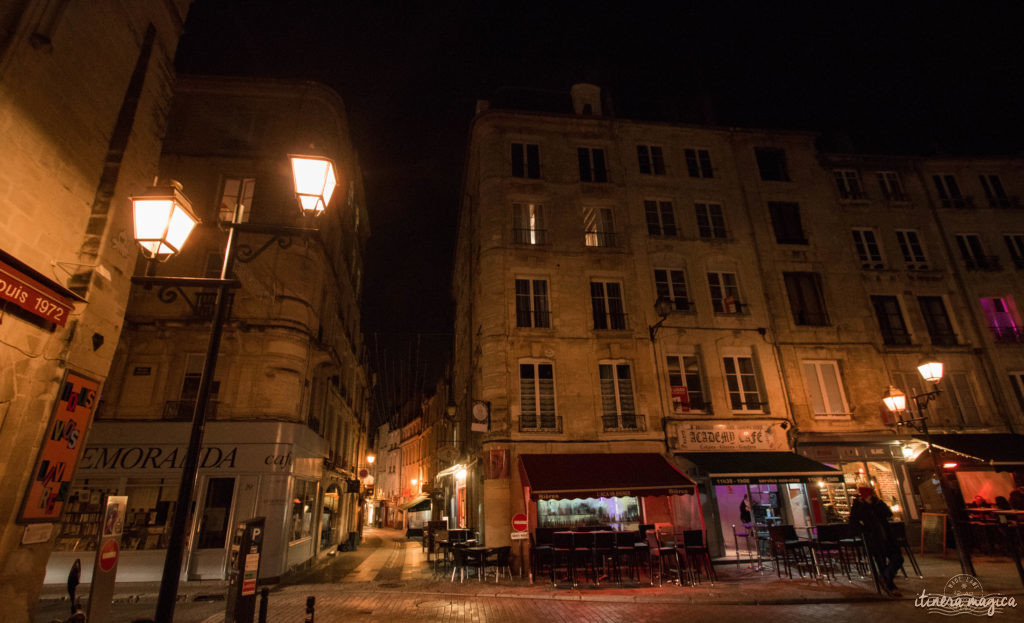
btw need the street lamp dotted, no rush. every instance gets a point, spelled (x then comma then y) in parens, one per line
(662, 307)
(163, 221)
(370, 459)
(896, 401)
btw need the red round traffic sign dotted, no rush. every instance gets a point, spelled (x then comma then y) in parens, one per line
(108, 555)
(519, 522)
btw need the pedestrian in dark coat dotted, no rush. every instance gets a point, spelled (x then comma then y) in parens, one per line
(872, 516)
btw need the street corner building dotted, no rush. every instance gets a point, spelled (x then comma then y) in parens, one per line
(288, 414)
(84, 94)
(636, 298)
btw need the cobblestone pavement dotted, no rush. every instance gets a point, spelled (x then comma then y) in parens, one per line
(389, 579)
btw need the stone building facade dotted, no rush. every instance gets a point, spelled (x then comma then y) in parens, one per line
(288, 421)
(84, 94)
(731, 299)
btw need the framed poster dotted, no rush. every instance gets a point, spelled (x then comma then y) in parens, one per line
(61, 448)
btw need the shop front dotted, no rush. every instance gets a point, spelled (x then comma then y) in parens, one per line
(269, 469)
(988, 469)
(746, 467)
(612, 491)
(880, 464)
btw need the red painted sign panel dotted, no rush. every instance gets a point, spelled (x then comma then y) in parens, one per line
(58, 456)
(520, 522)
(108, 555)
(32, 296)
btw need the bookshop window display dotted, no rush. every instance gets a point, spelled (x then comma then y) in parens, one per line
(150, 506)
(837, 498)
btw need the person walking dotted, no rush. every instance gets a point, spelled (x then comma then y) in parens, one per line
(872, 516)
(74, 579)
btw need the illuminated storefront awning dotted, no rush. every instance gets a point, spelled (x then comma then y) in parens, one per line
(569, 476)
(752, 468)
(996, 450)
(417, 500)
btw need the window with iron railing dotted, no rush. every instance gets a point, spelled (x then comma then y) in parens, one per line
(995, 193)
(743, 384)
(710, 221)
(671, 284)
(890, 320)
(725, 293)
(528, 224)
(869, 252)
(1015, 245)
(650, 159)
(525, 160)
(661, 220)
(805, 298)
(890, 185)
(973, 254)
(686, 384)
(532, 303)
(949, 193)
(848, 184)
(618, 409)
(599, 227)
(698, 163)
(607, 305)
(592, 164)
(537, 397)
(912, 249)
(936, 319)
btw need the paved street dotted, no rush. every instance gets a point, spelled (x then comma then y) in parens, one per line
(389, 579)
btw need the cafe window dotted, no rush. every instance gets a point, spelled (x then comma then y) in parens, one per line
(619, 513)
(303, 508)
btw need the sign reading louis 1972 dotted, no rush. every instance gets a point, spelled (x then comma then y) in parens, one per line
(65, 436)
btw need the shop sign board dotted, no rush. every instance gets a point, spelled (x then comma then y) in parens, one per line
(772, 479)
(29, 294)
(719, 436)
(58, 456)
(152, 457)
(520, 536)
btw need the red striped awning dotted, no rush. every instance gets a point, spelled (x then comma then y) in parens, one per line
(569, 476)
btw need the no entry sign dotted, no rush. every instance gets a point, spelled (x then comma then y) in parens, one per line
(520, 522)
(108, 555)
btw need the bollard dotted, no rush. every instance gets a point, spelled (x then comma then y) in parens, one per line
(264, 595)
(310, 607)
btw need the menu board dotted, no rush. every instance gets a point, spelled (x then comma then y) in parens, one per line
(933, 533)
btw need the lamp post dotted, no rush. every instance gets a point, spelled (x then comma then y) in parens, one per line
(662, 307)
(896, 401)
(163, 221)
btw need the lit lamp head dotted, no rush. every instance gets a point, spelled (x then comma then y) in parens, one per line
(370, 459)
(931, 371)
(895, 400)
(315, 181)
(163, 220)
(461, 475)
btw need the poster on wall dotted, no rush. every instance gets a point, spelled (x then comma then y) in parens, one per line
(65, 436)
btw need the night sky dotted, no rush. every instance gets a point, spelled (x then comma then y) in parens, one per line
(935, 78)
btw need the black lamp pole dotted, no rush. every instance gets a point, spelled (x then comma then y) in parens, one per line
(955, 511)
(176, 543)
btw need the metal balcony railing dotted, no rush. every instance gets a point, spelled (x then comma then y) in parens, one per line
(542, 423)
(987, 263)
(624, 422)
(852, 195)
(960, 203)
(530, 236)
(601, 239)
(1004, 202)
(896, 337)
(610, 321)
(1008, 335)
(183, 409)
(944, 338)
(533, 319)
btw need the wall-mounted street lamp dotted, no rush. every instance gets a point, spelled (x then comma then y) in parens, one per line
(370, 459)
(163, 221)
(662, 307)
(896, 401)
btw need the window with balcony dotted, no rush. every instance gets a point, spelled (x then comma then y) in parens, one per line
(973, 253)
(890, 185)
(1003, 319)
(686, 385)
(528, 225)
(606, 303)
(890, 320)
(670, 283)
(618, 409)
(183, 407)
(235, 191)
(848, 184)
(1017, 383)
(949, 192)
(592, 164)
(698, 163)
(912, 249)
(725, 293)
(650, 159)
(828, 400)
(869, 252)
(526, 160)
(661, 220)
(995, 194)
(599, 227)
(743, 384)
(786, 222)
(1015, 245)
(710, 221)
(936, 319)
(771, 164)
(805, 298)
(532, 303)
(537, 396)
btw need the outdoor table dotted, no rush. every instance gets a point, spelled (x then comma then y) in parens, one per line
(479, 554)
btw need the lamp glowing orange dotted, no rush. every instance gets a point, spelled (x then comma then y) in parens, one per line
(163, 220)
(314, 182)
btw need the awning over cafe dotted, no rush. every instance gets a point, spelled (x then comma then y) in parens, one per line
(997, 450)
(417, 500)
(569, 476)
(751, 468)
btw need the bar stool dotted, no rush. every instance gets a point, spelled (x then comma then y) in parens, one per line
(697, 554)
(626, 549)
(744, 533)
(562, 557)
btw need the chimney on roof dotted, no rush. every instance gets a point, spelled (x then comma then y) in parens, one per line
(586, 99)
